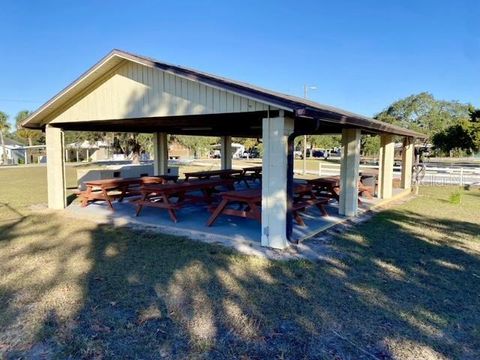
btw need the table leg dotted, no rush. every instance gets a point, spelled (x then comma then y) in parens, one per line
(255, 211)
(140, 203)
(336, 192)
(86, 196)
(107, 198)
(217, 212)
(171, 212)
(123, 190)
(298, 218)
(322, 209)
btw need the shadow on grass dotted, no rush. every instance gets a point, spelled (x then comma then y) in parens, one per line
(391, 293)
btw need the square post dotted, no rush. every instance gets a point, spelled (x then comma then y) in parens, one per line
(55, 168)
(274, 180)
(385, 174)
(160, 153)
(349, 168)
(407, 163)
(226, 152)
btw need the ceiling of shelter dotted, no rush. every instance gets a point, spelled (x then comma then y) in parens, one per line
(234, 124)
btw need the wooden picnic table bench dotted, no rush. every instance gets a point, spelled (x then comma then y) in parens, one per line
(223, 174)
(251, 173)
(161, 195)
(304, 197)
(252, 199)
(328, 184)
(102, 189)
(331, 185)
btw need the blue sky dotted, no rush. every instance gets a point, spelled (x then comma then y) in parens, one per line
(361, 55)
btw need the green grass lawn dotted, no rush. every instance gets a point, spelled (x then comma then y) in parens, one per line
(404, 285)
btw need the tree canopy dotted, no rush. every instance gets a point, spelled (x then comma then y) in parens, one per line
(198, 144)
(4, 126)
(463, 135)
(423, 113)
(30, 136)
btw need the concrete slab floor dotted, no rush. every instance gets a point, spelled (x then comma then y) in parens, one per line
(241, 234)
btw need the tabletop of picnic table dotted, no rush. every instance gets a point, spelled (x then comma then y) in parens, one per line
(128, 181)
(186, 185)
(253, 168)
(333, 180)
(253, 193)
(209, 173)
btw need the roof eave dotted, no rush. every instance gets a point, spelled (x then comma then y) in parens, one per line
(29, 123)
(300, 107)
(357, 121)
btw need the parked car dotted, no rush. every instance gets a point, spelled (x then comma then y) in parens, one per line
(320, 154)
(252, 154)
(336, 152)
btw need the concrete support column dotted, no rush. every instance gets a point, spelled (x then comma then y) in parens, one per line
(160, 153)
(407, 163)
(385, 174)
(274, 180)
(349, 168)
(55, 167)
(226, 152)
(26, 156)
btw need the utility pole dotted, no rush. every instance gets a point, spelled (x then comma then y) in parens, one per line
(305, 95)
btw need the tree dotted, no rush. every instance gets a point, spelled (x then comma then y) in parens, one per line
(29, 135)
(423, 113)
(370, 145)
(249, 143)
(79, 137)
(463, 135)
(131, 144)
(199, 144)
(4, 126)
(320, 141)
(324, 141)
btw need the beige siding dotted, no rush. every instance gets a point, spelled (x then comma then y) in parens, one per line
(133, 90)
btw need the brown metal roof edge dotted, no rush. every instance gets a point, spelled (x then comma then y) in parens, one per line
(375, 126)
(66, 89)
(300, 107)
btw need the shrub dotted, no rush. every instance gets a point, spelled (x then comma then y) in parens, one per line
(456, 197)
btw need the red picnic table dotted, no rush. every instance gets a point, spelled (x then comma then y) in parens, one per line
(328, 184)
(251, 173)
(331, 185)
(160, 195)
(223, 174)
(102, 189)
(251, 200)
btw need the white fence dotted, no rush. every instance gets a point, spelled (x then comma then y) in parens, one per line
(433, 175)
(451, 176)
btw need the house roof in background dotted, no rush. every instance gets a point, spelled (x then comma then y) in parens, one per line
(11, 142)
